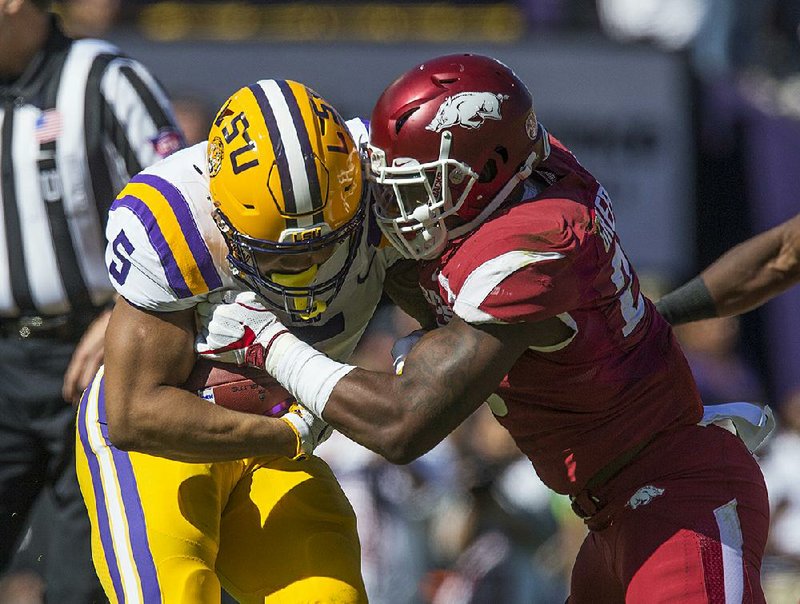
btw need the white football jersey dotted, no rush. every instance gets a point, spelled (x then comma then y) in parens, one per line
(165, 253)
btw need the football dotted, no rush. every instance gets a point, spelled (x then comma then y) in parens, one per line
(239, 388)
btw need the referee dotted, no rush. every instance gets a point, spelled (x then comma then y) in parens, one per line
(77, 119)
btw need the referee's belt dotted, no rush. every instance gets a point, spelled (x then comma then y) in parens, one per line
(66, 327)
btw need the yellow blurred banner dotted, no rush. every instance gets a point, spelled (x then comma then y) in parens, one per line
(386, 22)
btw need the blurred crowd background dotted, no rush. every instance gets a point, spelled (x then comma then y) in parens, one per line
(687, 110)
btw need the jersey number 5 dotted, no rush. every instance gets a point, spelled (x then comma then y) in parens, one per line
(121, 264)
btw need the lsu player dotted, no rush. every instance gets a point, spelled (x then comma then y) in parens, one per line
(184, 495)
(540, 312)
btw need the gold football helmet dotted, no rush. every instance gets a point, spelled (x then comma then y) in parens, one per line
(286, 178)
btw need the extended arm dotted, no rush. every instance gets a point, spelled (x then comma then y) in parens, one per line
(148, 356)
(743, 278)
(446, 376)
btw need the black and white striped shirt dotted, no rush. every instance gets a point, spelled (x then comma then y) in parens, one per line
(74, 127)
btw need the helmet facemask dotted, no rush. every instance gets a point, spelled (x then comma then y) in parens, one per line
(303, 296)
(412, 199)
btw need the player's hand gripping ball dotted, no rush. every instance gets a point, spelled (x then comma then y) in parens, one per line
(239, 388)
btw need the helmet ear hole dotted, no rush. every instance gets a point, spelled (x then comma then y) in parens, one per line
(488, 172)
(502, 152)
(398, 125)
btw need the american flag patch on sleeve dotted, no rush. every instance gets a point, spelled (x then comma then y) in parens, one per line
(48, 126)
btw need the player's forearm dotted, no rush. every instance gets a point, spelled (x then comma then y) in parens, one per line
(398, 422)
(743, 278)
(176, 424)
(756, 270)
(402, 417)
(147, 355)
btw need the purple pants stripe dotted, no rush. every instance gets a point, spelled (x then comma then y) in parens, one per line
(137, 533)
(100, 502)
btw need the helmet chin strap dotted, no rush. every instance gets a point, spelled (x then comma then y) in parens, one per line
(523, 173)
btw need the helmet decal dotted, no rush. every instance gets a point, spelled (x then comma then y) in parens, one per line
(294, 157)
(216, 153)
(531, 126)
(468, 110)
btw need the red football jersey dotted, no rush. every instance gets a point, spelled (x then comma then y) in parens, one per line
(621, 378)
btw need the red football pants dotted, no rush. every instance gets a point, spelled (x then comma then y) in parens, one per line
(686, 523)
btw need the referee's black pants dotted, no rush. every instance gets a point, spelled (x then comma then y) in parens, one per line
(37, 457)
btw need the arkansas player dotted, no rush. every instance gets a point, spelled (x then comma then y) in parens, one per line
(537, 305)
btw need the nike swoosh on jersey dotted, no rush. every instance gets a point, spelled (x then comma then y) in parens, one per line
(359, 278)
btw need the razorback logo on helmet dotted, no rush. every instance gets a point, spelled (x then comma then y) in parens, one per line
(468, 110)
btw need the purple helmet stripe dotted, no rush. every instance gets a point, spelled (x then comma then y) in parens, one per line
(180, 207)
(305, 144)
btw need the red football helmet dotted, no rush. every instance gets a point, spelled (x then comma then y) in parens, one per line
(453, 135)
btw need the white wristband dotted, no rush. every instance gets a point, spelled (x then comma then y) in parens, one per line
(305, 442)
(304, 371)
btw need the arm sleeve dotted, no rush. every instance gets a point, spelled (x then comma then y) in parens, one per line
(690, 302)
(137, 270)
(528, 265)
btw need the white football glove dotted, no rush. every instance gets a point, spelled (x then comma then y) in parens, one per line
(245, 332)
(309, 429)
(236, 332)
(402, 347)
